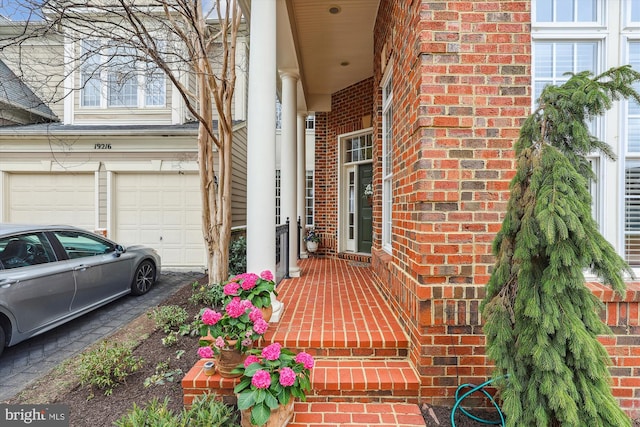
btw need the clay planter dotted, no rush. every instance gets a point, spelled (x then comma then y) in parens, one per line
(279, 417)
(227, 361)
(267, 312)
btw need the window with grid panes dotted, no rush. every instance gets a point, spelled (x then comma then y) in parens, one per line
(308, 200)
(387, 161)
(577, 35)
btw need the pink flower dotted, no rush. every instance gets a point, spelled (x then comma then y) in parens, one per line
(267, 275)
(261, 379)
(205, 352)
(249, 281)
(305, 358)
(260, 327)
(235, 308)
(287, 377)
(271, 352)
(246, 304)
(251, 359)
(231, 288)
(247, 342)
(255, 314)
(210, 317)
(220, 342)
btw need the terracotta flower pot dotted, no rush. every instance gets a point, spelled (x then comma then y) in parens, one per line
(279, 417)
(227, 360)
(267, 312)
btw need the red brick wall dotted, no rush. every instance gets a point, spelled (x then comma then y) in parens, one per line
(351, 110)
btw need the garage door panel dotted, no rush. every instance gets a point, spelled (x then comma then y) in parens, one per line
(161, 210)
(61, 198)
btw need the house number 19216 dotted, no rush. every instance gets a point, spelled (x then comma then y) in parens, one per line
(102, 146)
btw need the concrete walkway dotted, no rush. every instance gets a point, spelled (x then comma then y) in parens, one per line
(33, 358)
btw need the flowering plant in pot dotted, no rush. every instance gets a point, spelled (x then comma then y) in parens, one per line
(312, 236)
(252, 287)
(271, 379)
(237, 327)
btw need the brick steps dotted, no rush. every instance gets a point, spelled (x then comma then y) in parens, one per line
(312, 414)
(366, 380)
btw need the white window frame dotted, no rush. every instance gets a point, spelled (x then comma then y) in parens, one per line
(614, 30)
(144, 74)
(387, 160)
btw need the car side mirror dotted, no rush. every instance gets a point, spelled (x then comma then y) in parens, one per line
(119, 250)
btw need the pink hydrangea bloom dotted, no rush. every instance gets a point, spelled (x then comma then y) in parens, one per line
(205, 352)
(235, 308)
(252, 358)
(220, 342)
(260, 327)
(210, 317)
(247, 342)
(246, 304)
(305, 358)
(231, 288)
(271, 352)
(261, 379)
(249, 281)
(287, 377)
(267, 275)
(255, 314)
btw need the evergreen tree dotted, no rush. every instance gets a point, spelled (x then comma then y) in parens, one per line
(541, 321)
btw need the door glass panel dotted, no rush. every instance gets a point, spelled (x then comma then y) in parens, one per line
(352, 204)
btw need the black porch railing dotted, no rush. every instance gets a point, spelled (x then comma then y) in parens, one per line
(282, 251)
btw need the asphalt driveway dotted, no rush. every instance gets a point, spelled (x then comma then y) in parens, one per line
(31, 359)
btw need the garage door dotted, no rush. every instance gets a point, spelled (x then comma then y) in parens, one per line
(161, 210)
(61, 198)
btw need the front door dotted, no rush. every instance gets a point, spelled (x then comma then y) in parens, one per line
(365, 208)
(356, 225)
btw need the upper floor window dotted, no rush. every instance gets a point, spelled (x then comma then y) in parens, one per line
(117, 77)
(566, 11)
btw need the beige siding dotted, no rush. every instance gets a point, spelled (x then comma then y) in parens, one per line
(239, 180)
(39, 63)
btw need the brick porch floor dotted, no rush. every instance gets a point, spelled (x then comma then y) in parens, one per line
(362, 376)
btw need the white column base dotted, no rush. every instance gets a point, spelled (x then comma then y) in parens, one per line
(278, 309)
(294, 271)
(304, 255)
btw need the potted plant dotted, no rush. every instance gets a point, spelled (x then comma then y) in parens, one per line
(271, 379)
(253, 287)
(227, 336)
(312, 240)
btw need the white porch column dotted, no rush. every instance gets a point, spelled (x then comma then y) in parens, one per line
(302, 179)
(288, 170)
(261, 144)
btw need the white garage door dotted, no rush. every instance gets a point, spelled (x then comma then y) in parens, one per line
(163, 211)
(60, 198)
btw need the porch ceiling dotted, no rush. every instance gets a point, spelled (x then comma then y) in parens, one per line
(329, 43)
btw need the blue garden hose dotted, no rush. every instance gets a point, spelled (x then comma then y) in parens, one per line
(473, 388)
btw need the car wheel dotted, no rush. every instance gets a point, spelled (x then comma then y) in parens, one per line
(144, 278)
(2, 339)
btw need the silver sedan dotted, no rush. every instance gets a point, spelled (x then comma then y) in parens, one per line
(52, 274)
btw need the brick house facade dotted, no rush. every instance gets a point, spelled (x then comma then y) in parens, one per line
(461, 76)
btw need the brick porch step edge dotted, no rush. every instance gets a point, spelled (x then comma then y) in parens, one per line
(313, 414)
(332, 380)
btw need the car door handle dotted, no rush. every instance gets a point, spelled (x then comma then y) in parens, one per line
(7, 283)
(82, 267)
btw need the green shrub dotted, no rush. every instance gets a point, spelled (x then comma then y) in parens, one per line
(168, 317)
(107, 366)
(207, 295)
(206, 411)
(154, 414)
(162, 375)
(238, 256)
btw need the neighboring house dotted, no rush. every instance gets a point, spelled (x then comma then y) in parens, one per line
(18, 103)
(122, 159)
(425, 100)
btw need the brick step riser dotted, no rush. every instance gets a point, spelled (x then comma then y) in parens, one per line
(360, 353)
